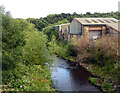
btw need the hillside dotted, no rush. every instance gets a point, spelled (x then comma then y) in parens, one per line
(65, 18)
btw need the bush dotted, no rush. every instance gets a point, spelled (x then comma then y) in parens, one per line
(12, 42)
(104, 51)
(49, 31)
(35, 50)
(81, 48)
(30, 78)
(108, 46)
(61, 48)
(107, 86)
(93, 80)
(23, 48)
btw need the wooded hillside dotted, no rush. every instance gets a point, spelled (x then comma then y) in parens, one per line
(65, 18)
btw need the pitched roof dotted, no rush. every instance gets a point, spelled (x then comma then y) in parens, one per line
(62, 24)
(112, 22)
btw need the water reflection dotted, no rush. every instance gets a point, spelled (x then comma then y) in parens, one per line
(70, 78)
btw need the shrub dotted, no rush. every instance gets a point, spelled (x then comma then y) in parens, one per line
(107, 49)
(49, 31)
(81, 48)
(93, 80)
(108, 45)
(30, 78)
(12, 42)
(35, 50)
(107, 86)
(61, 48)
(24, 45)
(52, 45)
(102, 51)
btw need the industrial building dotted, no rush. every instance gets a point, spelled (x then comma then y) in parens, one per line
(92, 28)
(88, 28)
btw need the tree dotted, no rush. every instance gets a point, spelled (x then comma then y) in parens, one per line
(88, 13)
(35, 50)
(50, 31)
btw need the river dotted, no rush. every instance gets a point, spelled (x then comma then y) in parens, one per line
(71, 78)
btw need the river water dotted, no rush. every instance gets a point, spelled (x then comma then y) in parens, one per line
(71, 78)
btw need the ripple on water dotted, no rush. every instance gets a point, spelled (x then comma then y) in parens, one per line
(70, 78)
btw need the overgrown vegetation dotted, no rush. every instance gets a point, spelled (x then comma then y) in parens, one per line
(106, 87)
(30, 78)
(35, 51)
(102, 55)
(25, 52)
(24, 55)
(61, 48)
(58, 47)
(26, 47)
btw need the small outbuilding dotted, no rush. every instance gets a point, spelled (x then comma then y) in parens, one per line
(63, 31)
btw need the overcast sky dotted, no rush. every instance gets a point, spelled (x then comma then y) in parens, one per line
(42, 8)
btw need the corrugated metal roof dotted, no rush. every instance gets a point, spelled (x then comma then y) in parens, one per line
(112, 22)
(62, 24)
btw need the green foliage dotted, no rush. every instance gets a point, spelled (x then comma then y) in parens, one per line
(12, 42)
(30, 78)
(93, 80)
(61, 48)
(49, 31)
(96, 56)
(35, 50)
(61, 51)
(106, 85)
(52, 45)
(24, 50)
(39, 23)
(55, 19)
(61, 22)
(104, 51)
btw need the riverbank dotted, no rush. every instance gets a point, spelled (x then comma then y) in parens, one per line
(101, 60)
(85, 67)
(30, 78)
(101, 79)
(98, 78)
